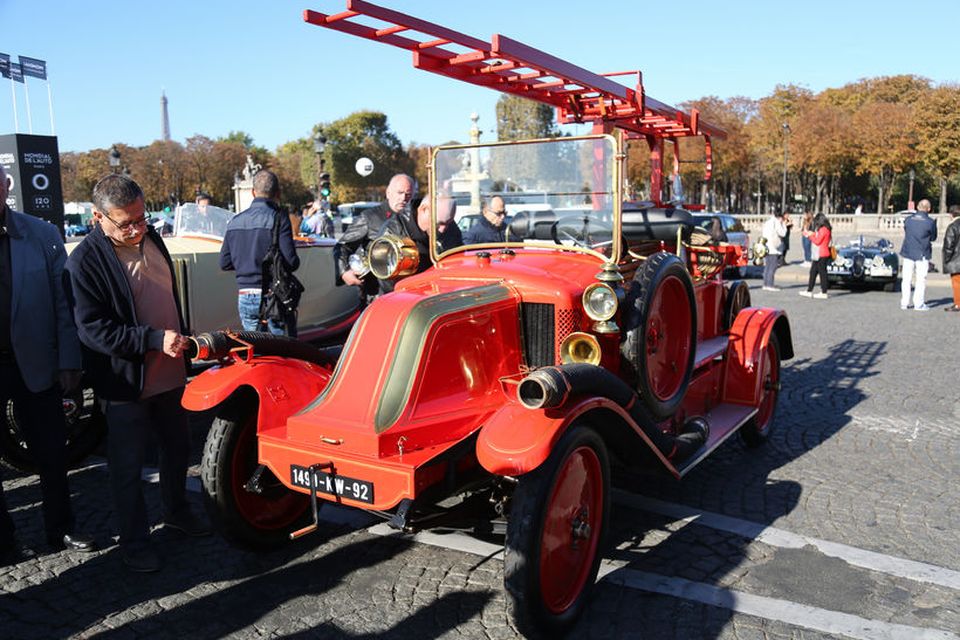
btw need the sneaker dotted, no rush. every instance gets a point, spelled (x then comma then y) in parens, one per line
(142, 560)
(807, 263)
(771, 288)
(821, 296)
(807, 294)
(188, 524)
(921, 307)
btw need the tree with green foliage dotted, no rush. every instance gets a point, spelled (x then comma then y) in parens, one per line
(521, 119)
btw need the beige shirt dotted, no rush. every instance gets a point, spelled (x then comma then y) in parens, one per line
(152, 284)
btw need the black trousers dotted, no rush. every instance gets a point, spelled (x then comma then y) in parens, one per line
(130, 426)
(818, 267)
(41, 423)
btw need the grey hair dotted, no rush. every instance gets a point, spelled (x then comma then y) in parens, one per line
(115, 191)
(266, 184)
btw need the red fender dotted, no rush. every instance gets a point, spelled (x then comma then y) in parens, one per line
(285, 386)
(516, 440)
(749, 337)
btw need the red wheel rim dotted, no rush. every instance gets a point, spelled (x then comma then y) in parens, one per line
(571, 529)
(668, 338)
(770, 381)
(265, 511)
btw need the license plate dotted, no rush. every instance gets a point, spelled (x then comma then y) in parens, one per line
(335, 485)
(881, 271)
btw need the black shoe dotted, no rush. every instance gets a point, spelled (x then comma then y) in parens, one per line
(188, 524)
(144, 560)
(952, 307)
(73, 542)
(15, 554)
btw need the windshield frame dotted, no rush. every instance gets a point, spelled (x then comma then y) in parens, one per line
(615, 191)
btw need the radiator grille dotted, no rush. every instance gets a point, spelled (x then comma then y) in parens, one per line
(539, 335)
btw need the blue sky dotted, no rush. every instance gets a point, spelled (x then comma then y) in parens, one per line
(257, 67)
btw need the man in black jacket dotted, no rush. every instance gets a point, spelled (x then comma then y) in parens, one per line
(490, 226)
(367, 225)
(131, 327)
(248, 238)
(951, 256)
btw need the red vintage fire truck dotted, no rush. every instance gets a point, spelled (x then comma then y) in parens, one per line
(506, 379)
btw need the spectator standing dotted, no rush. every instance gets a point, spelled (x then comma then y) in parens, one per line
(131, 327)
(774, 230)
(785, 244)
(951, 256)
(39, 360)
(448, 233)
(248, 238)
(806, 224)
(919, 232)
(490, 226)
(367, 225)
(820, 236)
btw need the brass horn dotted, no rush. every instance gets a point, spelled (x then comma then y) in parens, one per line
(580, 347)
(393, 257)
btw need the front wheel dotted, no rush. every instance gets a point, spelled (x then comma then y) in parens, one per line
(245, 518)
(558, 520)
(756, 431)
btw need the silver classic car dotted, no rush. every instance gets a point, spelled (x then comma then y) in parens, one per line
(865, 261)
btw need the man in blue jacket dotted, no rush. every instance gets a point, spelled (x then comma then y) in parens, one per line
(490, 226)
(249, 236)
(128, 316)
(39, 359)
(919, 232)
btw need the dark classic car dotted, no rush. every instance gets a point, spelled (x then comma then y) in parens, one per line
(865, 261)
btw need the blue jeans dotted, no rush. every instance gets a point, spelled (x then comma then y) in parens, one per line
(770, 263)
(807, 245)
(248, 304)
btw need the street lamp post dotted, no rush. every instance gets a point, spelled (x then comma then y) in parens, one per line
(913, 174)
(114, 157)
(783, 191)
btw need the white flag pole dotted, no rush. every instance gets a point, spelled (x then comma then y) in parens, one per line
(13, 96)
(53, 128)
(26, 92)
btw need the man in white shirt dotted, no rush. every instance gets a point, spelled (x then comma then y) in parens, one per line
(774, 230)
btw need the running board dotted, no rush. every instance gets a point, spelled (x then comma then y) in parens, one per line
(712, 349)
(724, 420)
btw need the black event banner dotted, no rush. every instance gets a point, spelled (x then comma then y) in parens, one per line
(33, 67)
(15, 72)
(4, 65)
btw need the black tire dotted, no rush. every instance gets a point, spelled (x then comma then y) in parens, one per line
(890, 287)
(86, 429)
(737, 298)
(660, 304)
(756, 431)
(539, 604)
(245, 519)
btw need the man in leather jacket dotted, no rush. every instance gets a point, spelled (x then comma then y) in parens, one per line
(951, 256)
(366, 227)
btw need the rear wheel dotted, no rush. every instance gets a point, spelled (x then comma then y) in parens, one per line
(86, 428)
(757, 430)
(558, 520)
(247, 519)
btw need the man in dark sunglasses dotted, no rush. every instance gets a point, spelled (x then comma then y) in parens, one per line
(490, 227)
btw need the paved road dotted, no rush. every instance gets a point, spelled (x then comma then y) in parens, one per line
(844, 525)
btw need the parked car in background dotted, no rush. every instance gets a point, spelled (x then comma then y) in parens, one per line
(732, 227)
(345, 212)
(865, 261)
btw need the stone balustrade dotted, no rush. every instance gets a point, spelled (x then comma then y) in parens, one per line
(888, 225)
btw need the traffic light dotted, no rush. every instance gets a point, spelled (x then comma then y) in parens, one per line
(325, 185)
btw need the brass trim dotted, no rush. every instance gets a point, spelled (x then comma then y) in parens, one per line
(413, 337)
(408, 258)
(580, 347)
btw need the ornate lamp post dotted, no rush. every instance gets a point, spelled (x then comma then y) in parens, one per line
(913, 174)
(783, 192)
(114, 157)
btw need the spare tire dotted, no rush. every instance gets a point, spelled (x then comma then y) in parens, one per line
(660, 333)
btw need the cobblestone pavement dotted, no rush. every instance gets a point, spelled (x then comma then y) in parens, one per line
(845, 524)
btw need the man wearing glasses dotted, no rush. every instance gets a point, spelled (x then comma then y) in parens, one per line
(131, 327)
(490, 226)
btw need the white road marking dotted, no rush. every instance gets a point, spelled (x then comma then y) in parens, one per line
(900, 567)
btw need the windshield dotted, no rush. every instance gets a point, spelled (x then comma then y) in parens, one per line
(539, 193)
(193, 220)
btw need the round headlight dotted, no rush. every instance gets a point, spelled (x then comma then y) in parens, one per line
(848, 262)
(600, 301)
(392, 257)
